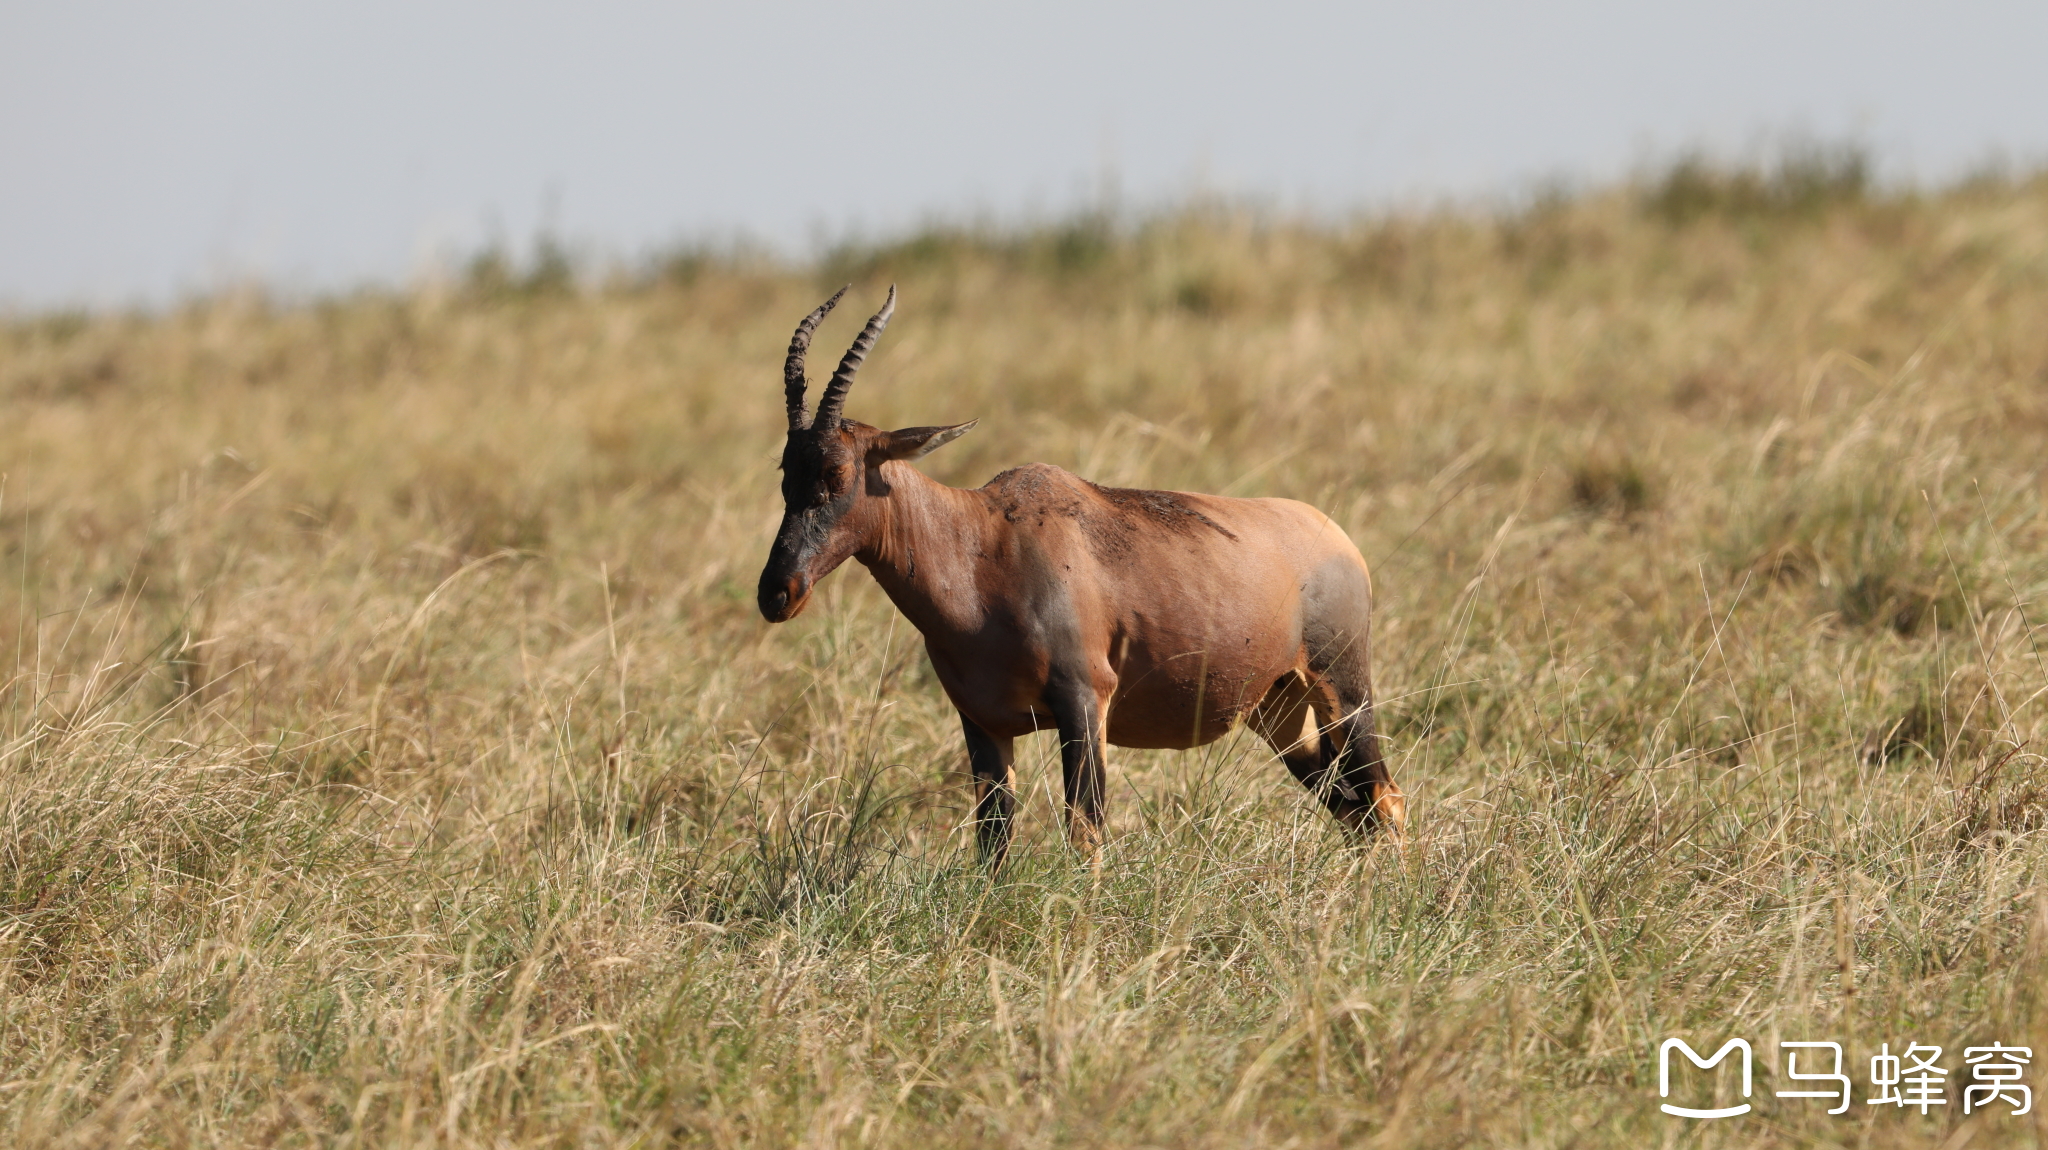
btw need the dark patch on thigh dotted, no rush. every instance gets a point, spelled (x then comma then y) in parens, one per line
(1336, 613)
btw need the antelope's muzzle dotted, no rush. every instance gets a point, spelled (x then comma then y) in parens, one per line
(782, 599)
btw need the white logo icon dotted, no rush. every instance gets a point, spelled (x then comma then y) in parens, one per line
(1664, 1076)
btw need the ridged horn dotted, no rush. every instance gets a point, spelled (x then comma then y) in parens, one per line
(793, 383)
(842, 380)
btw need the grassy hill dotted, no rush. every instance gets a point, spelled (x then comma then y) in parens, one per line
(391, 753)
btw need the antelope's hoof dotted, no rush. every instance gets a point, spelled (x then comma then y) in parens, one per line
(1086, 840)
(1390, 810)
(1385, 819)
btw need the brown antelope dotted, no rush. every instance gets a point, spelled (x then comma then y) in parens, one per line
(1136, 618)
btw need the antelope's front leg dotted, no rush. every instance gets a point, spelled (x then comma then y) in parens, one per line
(995, 791)
(1080, 708)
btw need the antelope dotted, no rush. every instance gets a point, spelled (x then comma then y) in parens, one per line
(1114, 616)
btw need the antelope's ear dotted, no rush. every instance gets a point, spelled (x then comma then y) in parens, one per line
(917, 442)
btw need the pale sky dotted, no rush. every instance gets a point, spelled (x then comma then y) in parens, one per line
(150, 149)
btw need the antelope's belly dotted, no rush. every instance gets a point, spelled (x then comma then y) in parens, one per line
(1155, 708)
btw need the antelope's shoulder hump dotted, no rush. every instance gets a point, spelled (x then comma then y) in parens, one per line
(1036, 492)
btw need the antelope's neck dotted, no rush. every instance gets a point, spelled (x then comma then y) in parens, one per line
(925, 547)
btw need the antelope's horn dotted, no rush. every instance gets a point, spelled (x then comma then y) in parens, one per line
(842, 380)
(793, 383)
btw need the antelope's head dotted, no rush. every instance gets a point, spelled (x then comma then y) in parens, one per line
(831, 471)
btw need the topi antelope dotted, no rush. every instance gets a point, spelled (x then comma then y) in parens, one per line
(1136, 618)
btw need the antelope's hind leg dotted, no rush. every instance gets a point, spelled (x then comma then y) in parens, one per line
(1371, 800)
(995, 791)
(1332, 749)
(1288, 724)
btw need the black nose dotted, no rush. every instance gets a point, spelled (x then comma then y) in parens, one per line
(778, 597)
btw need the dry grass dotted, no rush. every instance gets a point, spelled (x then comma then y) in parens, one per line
(392, 754)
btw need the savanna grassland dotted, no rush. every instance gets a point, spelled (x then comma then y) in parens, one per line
(391, 753)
